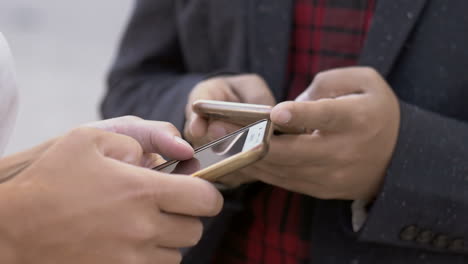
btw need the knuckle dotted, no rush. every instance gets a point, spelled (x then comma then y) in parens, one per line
(320, 80)
(144, 230)
(201, 86)
(130, 118)
(325, 115)
(167, 126)
(213, 83)
(255, 77)
(81, 132)
(369, 72)
(82, 135)
(137, 189)
(135, 150)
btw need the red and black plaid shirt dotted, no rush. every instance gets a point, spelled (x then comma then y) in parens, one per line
(326, 34)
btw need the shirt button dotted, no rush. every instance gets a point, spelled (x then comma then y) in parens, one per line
(457, 245)
(409, 233)
(441, 241)
(425, 237)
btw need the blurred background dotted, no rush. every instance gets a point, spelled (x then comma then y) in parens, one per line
(63, 50)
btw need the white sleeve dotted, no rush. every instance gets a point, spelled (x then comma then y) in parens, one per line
(359, 214)
(8, 93)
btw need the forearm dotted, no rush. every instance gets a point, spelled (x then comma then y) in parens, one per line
(425, 187)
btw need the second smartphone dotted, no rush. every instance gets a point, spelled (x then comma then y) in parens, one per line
(239, 113)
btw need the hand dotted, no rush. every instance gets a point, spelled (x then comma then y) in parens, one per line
(79, 203)
(246, 88)
(352, 119)
(153, 136)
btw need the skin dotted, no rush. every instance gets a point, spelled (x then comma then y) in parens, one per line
(350, 118)
(247, 88)
(84, 198)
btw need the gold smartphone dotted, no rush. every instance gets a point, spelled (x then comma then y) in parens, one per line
(225, 155)
(238, 113)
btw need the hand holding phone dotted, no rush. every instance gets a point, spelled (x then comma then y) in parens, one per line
(238, 113)
(225, 155)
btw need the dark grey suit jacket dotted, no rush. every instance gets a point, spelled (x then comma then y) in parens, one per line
(419, 46)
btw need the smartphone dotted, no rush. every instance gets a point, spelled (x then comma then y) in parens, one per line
(225, 155)
(236, 113)
(239, 114)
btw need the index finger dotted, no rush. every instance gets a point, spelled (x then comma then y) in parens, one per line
(153, 136)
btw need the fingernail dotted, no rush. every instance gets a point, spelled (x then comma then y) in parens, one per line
(283, 117)
(181, 141)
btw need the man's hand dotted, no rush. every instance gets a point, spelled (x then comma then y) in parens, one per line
(351, 119)
(246, 88)
(84, 201)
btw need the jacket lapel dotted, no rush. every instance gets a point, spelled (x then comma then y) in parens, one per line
(269, 30)
(392, 24)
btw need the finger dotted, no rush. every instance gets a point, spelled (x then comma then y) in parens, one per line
(251, 88)
(185, 195)
(151, 160)
(218, 129)
(163, 255)
(177, 231)
(198, 127)
(329, 115)
(119, 147)
(187, 167)
(236, 179)
(212, 89)
(332, 84)
(293, 150)
(153, 136)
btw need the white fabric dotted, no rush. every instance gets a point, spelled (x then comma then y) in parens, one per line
(359, 214)
(8, 93)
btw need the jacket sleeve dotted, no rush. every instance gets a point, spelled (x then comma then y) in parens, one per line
(149, 78)
(424, 200)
